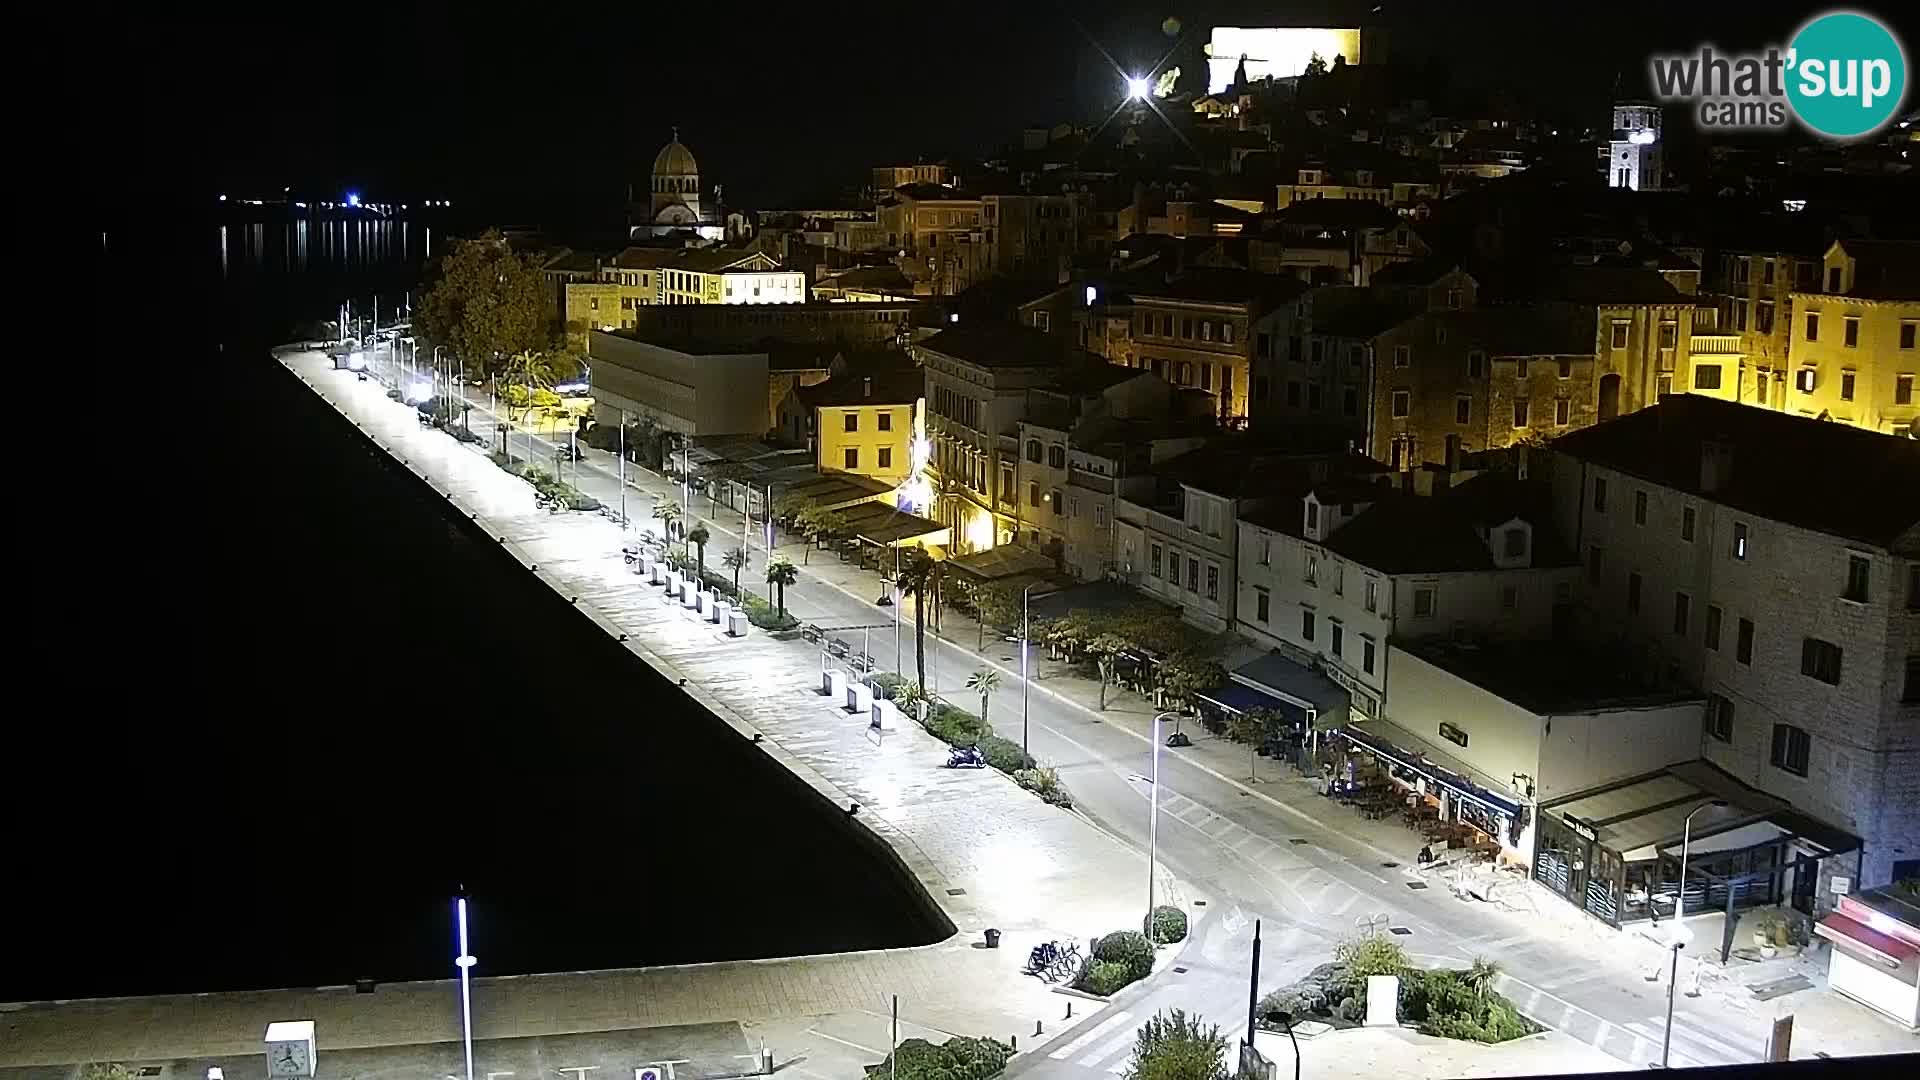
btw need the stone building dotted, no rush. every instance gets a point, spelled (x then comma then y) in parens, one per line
(1772, 561)
(1363, 561)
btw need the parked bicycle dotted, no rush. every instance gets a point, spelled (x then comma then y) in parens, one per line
(1054, 960)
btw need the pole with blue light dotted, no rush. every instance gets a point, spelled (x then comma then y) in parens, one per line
(465, 962)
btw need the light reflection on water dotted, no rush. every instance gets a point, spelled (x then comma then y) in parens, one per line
(318, 245)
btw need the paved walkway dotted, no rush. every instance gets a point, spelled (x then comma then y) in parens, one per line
(988, 853)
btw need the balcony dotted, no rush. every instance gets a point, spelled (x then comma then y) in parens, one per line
(1715, 344)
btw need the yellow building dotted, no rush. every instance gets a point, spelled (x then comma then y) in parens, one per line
(1854, 357)
(868, 424)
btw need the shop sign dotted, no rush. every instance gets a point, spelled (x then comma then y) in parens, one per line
(1841, 885)
(1453, 734)
(1580, 828)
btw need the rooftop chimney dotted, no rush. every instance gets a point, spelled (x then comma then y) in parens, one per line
(1716, 467)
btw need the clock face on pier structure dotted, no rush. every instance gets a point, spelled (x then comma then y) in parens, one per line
(290, 1050)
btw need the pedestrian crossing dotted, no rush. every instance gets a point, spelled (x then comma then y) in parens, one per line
(1640, 1041)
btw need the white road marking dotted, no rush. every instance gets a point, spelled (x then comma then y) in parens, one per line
(1098, 1030)
(844, 1042)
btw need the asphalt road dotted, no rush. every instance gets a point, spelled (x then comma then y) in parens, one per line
(1272, 852)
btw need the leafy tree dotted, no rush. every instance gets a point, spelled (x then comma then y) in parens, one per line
(107, 1070)
(736, 559)
(698, 537)
(1249, 727)
(984, 682)
(816, 523)
(1107, 649)
(486, 304)
(1185, 676)
(997, 606)
(780, 574)
(1175, 1046)
(667, 512)
(919, 575)
(720, 475)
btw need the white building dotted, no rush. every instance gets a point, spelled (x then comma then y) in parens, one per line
(1178, 540)
(1772, 561)
(1495, 728)
(1634, 153)
(1358, 563)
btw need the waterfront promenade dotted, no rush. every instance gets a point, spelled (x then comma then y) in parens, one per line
(986, 852)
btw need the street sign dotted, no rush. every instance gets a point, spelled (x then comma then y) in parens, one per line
(1841, 886)
(649, 1072)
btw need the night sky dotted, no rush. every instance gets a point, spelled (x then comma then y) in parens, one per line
(781, 103)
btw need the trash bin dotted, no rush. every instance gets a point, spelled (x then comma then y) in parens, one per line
(993, 939)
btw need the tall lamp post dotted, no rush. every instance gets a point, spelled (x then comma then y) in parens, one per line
(1023, 669)
(1686, 838)
(1153, 819)
(1679, 927)
(465, 962)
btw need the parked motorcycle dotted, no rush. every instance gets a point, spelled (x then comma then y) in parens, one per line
(966, 757)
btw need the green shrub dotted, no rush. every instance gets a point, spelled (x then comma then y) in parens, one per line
(959, 1058)
(1045, 783)
(1104, 977)
(1371, 956)
(1005, 754)
(766, 617)
(394, 393)
(956, 726)
(885, 683)
(1166, 924)
(1175, 1046)
(1126, 947)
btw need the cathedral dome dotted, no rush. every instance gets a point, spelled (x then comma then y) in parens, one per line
(675, 160)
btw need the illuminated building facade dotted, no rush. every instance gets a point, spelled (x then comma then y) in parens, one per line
(977, 378)
(1280, 52)
(675, 201)
(1634, 153)
(867, 424)
(1854, 357)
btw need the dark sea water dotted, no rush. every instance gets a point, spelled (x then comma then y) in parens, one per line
(316, 705)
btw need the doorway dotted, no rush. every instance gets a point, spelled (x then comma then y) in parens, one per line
(1609, 396)
(1806, 875)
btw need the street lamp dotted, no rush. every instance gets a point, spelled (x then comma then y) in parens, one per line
(465, 962)
(1686, 837)
(1153, 820)
(1023, 669)
(1666, 1038)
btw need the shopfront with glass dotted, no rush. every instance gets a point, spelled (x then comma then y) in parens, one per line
(1615, 851)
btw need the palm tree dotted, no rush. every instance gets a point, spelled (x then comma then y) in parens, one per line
(780, 574)
(698, 537)
(919, 576)
(1481, 975)
(984, 682)
(667, 512)
(735, 560)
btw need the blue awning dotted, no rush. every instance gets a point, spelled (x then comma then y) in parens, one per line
(1240, 698)
(1459, 785)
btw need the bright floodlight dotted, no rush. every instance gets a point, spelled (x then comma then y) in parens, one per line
(1137, 89)
(353, 199)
